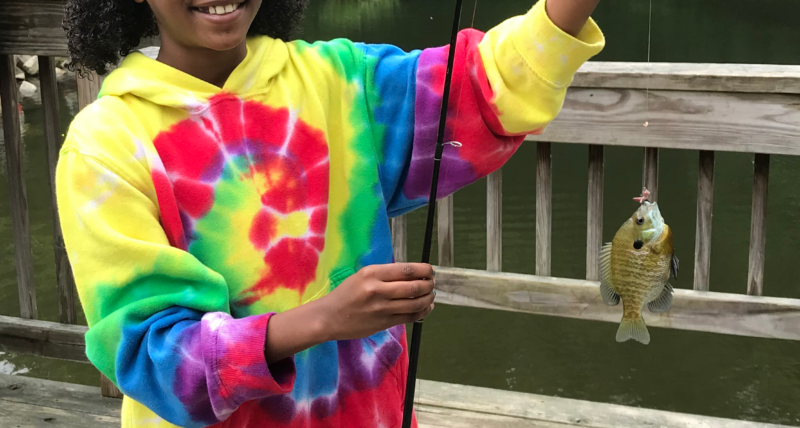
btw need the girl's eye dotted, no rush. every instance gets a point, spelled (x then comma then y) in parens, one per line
(640, 221)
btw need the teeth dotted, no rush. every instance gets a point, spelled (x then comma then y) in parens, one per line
(221, 10)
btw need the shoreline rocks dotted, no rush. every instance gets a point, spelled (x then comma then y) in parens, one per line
(27, 73)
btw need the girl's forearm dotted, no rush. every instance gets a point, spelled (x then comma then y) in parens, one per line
(294, 331)
(570, 15)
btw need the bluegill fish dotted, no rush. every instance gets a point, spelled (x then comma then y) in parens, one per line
(635, 268)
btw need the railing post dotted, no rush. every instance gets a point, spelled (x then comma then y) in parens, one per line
(400, 238)
(594, 213)
(705, 205)
(758, 226)
(544, 214)
(444, 227)
(650, 172)
(16, 186)
(53, 142)
(494, 221)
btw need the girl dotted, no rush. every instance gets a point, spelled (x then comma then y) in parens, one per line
(226, 206)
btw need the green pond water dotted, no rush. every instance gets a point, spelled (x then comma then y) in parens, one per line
(718, 375)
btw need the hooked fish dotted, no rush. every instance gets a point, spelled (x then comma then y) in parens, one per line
(635, 268)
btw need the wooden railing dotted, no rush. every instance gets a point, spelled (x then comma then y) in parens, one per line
(705, 107)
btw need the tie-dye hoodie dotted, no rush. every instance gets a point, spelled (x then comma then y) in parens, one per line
(193, 213)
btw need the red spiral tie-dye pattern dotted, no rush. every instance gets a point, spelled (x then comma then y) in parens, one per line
(284, 159)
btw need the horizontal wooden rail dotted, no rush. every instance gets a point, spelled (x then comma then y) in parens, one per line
(732, 122)
(758, 78)
(43, 338)
(734, 314)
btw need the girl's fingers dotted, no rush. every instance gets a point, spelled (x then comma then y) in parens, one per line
(400, 271)
(410, 306)
(408, 289)
(407, 318)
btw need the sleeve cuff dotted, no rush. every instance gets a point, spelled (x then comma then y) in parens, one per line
(242, 370)
(552, 54)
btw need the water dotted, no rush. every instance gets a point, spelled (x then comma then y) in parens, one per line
(726, 376)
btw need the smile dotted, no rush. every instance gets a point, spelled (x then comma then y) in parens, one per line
(219, 10)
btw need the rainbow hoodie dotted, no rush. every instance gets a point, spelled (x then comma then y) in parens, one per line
(193, 213)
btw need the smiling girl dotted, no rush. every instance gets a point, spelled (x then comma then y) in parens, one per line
(226, 205)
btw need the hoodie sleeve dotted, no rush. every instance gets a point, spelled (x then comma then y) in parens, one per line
(159, 320)
(506, 83)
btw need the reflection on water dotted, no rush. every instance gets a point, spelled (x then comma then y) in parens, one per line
(681, 371)
(356, 15)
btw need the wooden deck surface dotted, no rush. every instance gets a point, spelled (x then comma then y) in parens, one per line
(34, 403)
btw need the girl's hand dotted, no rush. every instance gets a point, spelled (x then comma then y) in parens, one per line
(570, 15)
(376, 298)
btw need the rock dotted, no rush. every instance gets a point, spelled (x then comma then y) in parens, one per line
(150, 51)
(27, 89)
(31, 66)
(19, 74)
(22, 59)
(60, 74)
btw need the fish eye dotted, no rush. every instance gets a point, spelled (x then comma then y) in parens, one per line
(637, 244)
(639, 221)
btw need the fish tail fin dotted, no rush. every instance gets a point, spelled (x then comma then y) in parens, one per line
(633, 329)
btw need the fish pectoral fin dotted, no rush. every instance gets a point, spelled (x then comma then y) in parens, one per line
(663, 302)
(633, 329)
(610, 297)
(674, 266)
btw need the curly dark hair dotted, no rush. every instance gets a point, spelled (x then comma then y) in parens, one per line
(100, 32)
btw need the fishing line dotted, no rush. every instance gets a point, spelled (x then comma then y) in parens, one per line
(647, 86)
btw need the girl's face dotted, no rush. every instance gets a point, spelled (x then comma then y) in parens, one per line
(218, 25)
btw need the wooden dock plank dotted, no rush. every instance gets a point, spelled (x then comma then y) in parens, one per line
(57, 395)
(31, 403)
(564, 411)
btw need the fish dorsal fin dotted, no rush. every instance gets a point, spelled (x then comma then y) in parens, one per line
(610, 297)
(663, 302)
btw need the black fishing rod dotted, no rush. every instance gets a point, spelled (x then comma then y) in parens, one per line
(416, 334)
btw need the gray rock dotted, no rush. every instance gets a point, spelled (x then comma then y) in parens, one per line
(150, 51)
(31, 66)
(22, 59)
(28, 90)
(19, 74)
(60, 74)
